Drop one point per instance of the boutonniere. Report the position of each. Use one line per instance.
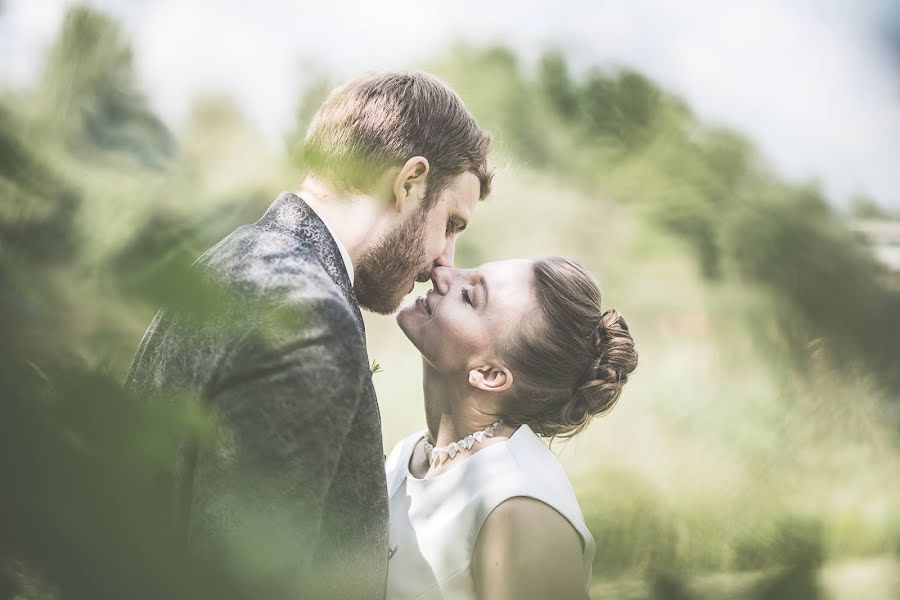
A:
(376, 368)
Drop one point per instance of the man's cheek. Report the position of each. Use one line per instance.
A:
(435, 244)
(437, 235)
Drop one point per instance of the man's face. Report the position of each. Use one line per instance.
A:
(423, 240)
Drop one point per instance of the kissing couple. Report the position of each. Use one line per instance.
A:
(296, 482)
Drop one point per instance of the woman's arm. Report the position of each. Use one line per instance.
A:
(526, 550)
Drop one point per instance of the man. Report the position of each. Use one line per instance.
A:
(294, 481)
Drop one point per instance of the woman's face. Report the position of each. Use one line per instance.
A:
(457, 325)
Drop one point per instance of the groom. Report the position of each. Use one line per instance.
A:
(294, 480)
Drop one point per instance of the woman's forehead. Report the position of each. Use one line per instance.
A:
(512, 266)
(508, 280)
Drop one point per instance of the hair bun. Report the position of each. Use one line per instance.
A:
(575, 363)
(615, 357)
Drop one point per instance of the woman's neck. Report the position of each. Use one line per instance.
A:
(451, 413)
(451, 409)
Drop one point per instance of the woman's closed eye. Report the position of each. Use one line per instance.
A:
(466, 297)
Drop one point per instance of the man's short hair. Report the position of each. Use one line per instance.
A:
(381, 120)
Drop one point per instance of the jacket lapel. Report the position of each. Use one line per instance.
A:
(291, 213)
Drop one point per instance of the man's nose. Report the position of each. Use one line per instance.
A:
(446, 257)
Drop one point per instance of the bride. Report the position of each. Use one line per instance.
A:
(479, 505)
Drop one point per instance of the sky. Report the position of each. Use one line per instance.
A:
(815, 83)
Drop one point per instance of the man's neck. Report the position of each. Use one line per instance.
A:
(353, 219)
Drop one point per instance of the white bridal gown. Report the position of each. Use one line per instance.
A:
(435, 521)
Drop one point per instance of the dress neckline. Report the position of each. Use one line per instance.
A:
(502, 443)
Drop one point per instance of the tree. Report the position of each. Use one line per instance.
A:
(88, 96)
(620, 109)
(556, 85)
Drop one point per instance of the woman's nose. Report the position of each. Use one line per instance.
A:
(442, 278)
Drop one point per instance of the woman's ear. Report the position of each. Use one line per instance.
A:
(491, 378)
(410, 182)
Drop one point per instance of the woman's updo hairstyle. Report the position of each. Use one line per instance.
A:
(571, 363)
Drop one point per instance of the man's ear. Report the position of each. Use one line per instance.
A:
(410, 182)
(491, 378)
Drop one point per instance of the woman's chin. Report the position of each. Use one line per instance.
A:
(404, 317)
(402, 314)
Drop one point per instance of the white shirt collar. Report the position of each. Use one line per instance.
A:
(345, 256)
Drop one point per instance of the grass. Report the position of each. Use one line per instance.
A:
(875, 578)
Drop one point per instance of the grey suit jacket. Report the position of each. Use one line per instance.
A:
(292, 485)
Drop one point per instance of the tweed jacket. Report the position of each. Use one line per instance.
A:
(292, 483)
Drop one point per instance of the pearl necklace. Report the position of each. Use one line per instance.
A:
(439, 454)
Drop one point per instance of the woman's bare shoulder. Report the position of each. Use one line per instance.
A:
(526, 549)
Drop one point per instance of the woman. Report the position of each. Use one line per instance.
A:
(480, 507)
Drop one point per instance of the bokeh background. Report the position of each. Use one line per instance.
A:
(729, 171)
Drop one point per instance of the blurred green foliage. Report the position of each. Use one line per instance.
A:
(82, 516)
(89, 98)
(103, 209)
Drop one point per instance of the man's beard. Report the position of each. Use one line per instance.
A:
(382, 277)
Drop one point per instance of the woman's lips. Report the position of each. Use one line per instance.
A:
(431, 305)
(423, 305)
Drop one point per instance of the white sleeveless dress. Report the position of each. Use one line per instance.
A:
(435, 522)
